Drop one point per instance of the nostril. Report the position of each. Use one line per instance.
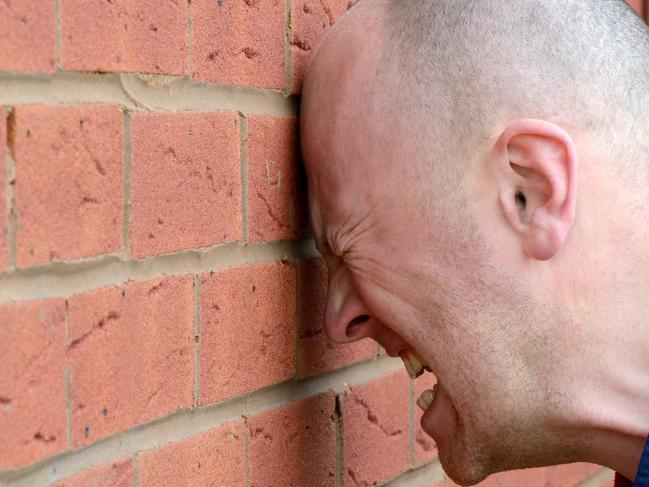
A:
(355, 323)
(360, 319)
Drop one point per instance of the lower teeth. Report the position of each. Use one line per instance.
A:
(426, 399)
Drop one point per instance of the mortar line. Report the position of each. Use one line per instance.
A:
(190, 39)
(12, 208)
(127, 159)
(197, 339)
(67, 387)
(340, 451)
(246, 454)
(138, 91)
(598, 478)
(67, 376)
(243, 155)
(298, 318)
(421, 476)
(64, 279)
(288, 34)
(190, 422)
(57, 34)
(137, 482)
(411, 421)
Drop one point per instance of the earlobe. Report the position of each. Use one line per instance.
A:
(538, 185)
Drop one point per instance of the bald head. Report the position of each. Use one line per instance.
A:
(459, 70)
(477, 175)
(478, 64)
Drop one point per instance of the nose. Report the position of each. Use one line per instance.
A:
(347, 319)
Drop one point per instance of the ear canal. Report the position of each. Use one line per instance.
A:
(521, 201)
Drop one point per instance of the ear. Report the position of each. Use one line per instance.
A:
(537, 165)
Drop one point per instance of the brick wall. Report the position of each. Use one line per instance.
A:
(160, 300)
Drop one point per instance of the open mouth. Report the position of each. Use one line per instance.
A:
(415, 366)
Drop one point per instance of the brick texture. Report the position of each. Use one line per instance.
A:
(131, 355)
(376, 414)
(318, 353)
(68, 186)
(272, 171)
(148, 36)
(4, 210)
(568, 475)
(532, 477)
(294, 445)
(27, 36)
(161, 304)
(185, 182)
(215, 457)
(32, 400)
(247, 329)
(116, 474)
(239, 42)
(310, 20)
(638, 6)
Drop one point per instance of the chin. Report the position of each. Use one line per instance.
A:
(461, 472)
(463, 464)
(461, 450)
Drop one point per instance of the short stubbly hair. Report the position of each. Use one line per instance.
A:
(470, 64)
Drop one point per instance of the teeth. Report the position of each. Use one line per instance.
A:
(413, 363)
(426, 398)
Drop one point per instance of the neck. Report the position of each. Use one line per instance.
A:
(613, 386)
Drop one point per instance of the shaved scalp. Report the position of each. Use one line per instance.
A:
(476, 64)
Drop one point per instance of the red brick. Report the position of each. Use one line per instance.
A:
(215, 457)
(568, 475)
(637, 5)
(116, 474)
(272, 168)
(68, 181)
(148, 36)
(130, 354)
(310, 19)
(375, 429)
(247, 329)
(294, 445)
(425, 447)
(318, 353)
(32, 377)
(27, 38)
(185, 181)
(4, 211)
(239, 42)
(531, 477)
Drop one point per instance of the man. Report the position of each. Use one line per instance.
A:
(479, 187)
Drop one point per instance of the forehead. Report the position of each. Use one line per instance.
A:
(354, 142)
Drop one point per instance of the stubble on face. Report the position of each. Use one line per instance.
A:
(423, 268)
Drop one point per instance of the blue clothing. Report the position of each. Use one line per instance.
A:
(642, 476)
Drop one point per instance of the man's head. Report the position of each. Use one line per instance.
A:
(473, 167)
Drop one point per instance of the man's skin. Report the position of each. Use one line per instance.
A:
(531, 311)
